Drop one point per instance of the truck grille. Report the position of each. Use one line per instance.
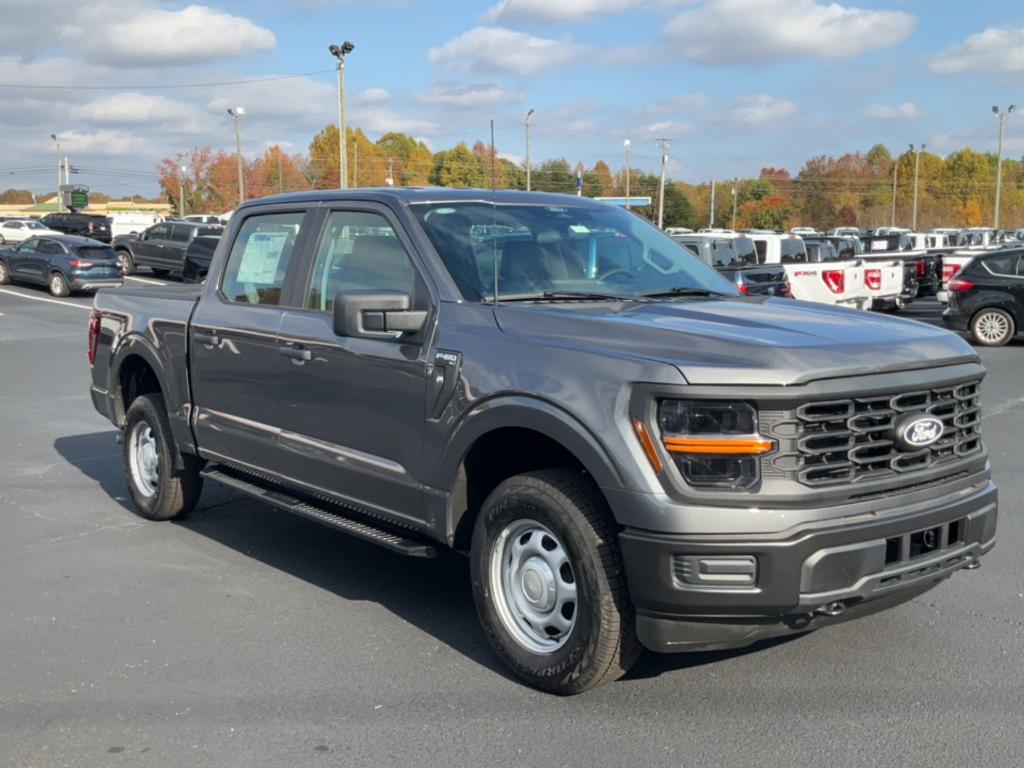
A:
(852, 440)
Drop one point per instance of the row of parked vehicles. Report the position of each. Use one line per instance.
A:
(98, 227)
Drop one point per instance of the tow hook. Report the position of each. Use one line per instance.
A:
(832, 609)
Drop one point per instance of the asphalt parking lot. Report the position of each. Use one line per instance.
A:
(246, 637)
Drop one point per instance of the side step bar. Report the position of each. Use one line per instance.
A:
(328, 515)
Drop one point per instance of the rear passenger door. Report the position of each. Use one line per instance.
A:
(353, 409)
(234, 359)
(174, 248)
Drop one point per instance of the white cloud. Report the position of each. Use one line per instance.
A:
(504, 50)
(105, 142)
(132, 108)
(759, 110)
(372, 96)
(764, 31)
(996, 50)
(468, 95)
(154, 36)
(554, 10)
(908, 110)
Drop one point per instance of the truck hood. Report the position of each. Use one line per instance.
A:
(740, 341)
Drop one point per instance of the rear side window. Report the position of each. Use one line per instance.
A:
(180, 234)
(1003, 264)
(206, 231)
(258, 263)
(359, 251)
(96, 252)
(747, 252)
(793, 252)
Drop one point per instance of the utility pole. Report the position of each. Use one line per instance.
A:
(280, 170)
(917, 174)
(60, 203)
(711, 221)
(528, 116)
(895, 169)
(999, 161)
(390, 180)
(236, 113)
(663, 144)
(734, 196)
(627, 144)
(67, 171)
(340, 52)
(181, 191)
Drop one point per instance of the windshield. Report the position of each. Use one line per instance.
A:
(33, 225)
(555, 249)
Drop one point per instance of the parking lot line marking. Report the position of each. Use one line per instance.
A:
(144, 280)
(48, 301)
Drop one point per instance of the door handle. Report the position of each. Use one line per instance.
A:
(297, 354)
(210, 340)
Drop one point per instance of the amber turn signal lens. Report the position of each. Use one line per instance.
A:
(648, 445)
(719, 446)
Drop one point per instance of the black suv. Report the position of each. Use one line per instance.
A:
(987, 298)
(83, 224)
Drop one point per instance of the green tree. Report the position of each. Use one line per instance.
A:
(457, 168)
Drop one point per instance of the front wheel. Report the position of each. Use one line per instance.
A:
(992, 327)
(59, 286)
(5, 273)
(549, 585)
(126, 261)
(160, 490)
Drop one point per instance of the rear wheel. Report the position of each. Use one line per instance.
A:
(159, 490)
(59, 286)
(992, 327)
(549, 585)
(126, 261)
(5, 273)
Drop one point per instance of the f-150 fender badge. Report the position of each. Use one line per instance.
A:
(915, 432)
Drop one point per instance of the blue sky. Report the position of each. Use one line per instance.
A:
(737, 84)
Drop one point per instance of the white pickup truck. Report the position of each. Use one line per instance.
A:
(827, 282)
(884, 278)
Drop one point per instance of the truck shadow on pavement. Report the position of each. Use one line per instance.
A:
(432, 595)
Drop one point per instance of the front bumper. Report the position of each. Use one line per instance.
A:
(805, 579)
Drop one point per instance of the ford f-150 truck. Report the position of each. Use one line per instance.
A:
(631, 453)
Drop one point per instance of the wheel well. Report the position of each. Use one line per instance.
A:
(492, 459)
(135, 378)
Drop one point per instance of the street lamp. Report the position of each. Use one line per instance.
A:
(528, 116)
(627, 144)
(60, 205)
(917, 173)
(999, 161)
(340, 52)
(734, 183)
(237, 113)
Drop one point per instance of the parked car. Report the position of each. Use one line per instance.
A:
(198, 256)
(922, 269)
(88, 225)
(838, 282)
(630, 452)
(161, 247)
(735, 257)
(986, 298)
(64, 263)
(132, 222)
(18, 230)
(975, 237)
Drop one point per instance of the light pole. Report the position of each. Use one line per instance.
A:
(627, 144)
(60, 205)
(181, 191)
(237, 113)
(663, 144)
(917, 174)
(527, 122)
(895, 166)
(734, 183)
(999, 161)
(340, 52)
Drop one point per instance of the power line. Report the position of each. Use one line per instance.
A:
(163, 86)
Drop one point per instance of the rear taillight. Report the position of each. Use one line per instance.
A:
(873, 279)
(835, 279)
(91, 226)
(921, 268)
(80, 264)
(959, 285)
(948, 271)
(94, 335)
(743, 288)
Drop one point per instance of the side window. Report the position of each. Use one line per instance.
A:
(1020, 266)
(16, 225)
(180, 234)
(159, 232)
(359, 251)
(258, 263)
(49, 246)
(30, 245)
(1000, 265)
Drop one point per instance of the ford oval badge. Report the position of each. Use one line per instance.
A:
(918, 432)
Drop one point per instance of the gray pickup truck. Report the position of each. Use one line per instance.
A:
(631, 453)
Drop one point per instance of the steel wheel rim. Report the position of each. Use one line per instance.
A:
(992, 326)
(534, 586)
(144, 459)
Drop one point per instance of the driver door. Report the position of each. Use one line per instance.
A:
(20, 261)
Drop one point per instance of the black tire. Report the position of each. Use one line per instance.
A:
(175, 492)
(992, 327)
(127, 262)
(59, 285)
(601, 645)
(5, 273)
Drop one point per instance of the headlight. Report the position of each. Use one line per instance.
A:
(715, 443)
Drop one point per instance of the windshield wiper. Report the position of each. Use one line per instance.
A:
(679, 291)
(565, 295)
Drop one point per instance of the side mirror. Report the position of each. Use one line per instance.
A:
(376, 314)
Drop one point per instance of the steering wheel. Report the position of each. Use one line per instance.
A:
(614, 272)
